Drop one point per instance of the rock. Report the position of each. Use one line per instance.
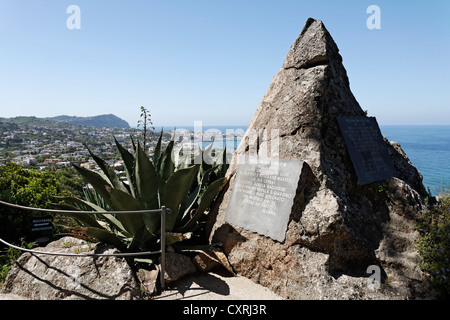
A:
(337, 228)
(177, 266)
(148, 279)
(11, 297)
(45, 277)
(205, 261)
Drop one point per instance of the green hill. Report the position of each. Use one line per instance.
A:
(25, 120)
(101, 121)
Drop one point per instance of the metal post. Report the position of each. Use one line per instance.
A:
(163, 245)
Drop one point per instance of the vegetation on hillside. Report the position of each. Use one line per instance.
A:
(100, 121)
(28, 188)
(434, 244)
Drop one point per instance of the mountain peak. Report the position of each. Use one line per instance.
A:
(314, 46)
(100, 121)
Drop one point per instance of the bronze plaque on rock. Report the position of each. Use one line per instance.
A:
(367, 149)
(263, 194)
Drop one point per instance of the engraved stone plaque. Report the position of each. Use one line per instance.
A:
(263, 195)
(367, 149)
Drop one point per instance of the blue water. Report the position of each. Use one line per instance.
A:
(428, 148)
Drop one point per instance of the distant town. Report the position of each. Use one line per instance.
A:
(41, 143)
(38, 144)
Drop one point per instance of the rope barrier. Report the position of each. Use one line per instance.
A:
(94, 255)
(163, 212)
(80, 211)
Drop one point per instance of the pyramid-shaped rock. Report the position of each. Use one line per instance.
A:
(338, 230)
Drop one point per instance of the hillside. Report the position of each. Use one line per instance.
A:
(101, 121)
(25, 120)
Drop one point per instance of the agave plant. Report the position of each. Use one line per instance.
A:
(187, 189)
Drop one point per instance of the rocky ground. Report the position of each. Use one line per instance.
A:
(216, 286)
(43, 277)
(204, 286)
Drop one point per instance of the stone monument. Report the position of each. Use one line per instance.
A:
(352, 216)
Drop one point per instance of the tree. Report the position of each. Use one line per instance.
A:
(146, 124)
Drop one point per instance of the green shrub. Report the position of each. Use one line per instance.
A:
(28, 188)
(9, 256)
(434, 244)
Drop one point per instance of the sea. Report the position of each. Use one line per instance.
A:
(427, 147)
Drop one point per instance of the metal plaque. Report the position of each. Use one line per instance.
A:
(263, 194)
(367, 149)
(42, 224)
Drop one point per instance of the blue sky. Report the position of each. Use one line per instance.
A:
(213, 60)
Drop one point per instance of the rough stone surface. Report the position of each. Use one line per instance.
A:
(148, 279)
(9, 296)
(45, 277)
(177, 266)
(205, 261)
(337, 228)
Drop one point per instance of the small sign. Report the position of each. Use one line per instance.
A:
(367, 149)
(263, 195)
(42, 228)
(42, 224)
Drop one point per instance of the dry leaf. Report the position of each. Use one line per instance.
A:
(223, 259)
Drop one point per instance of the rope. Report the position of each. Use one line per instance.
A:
(81, 212)
(128, 254)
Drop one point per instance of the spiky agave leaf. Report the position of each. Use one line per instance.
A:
(146, 181)
(147, 191)
(205, 201)
(109, 172)
(122, 201)
(176, 190)
(165, 166)
(84, 219)
(157, 153)
(97, 182)
(129, 162)
(111, 219)
(195, 194)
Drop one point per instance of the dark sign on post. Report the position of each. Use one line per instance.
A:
(42, 228)
(263, 195)
(367, 149)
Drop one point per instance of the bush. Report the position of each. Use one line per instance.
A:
(28, 188)
(434, 244)
(8, 257)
